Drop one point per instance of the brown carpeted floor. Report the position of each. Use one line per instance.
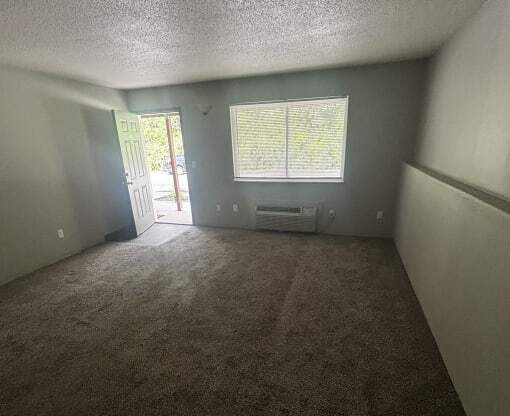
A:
(221, 322)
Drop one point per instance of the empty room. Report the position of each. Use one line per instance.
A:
(247, 207)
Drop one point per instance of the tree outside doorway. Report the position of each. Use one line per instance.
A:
(158, 160)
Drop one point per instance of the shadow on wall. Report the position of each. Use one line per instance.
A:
(92, 200)
(109, 167)
(59, 168)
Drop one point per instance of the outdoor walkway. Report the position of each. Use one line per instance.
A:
(165, 206)
(166, 212)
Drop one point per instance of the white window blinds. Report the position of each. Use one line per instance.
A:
(289, 140)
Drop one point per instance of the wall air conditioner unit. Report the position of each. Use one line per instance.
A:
(279, 218)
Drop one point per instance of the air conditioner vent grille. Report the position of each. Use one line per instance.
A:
(302, 219)
(294, 210)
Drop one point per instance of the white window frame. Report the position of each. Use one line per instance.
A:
(265, 104)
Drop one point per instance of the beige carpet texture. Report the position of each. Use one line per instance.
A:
(221, 322)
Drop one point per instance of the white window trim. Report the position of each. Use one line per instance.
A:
(265, 104)
(297, 180)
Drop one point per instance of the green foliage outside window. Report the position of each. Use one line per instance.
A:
(156, 141)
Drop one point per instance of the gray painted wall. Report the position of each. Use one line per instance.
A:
(59, 168)
(383, 112)
(454, 245)
(456, 250)
(466, 130)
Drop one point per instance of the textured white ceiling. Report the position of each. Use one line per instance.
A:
(139, 43)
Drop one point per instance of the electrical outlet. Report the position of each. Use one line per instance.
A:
(60, 233)
(218, 207)
(331, 213)
(379, 215)
(193, 164)
(235, 208)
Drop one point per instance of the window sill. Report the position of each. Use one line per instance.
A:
(290, 180)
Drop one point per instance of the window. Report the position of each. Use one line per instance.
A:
(289, 141)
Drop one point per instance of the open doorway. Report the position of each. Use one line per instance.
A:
(164, 150)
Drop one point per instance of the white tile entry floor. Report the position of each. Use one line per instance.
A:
(159, 234)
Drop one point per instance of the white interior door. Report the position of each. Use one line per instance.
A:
(137, 175)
